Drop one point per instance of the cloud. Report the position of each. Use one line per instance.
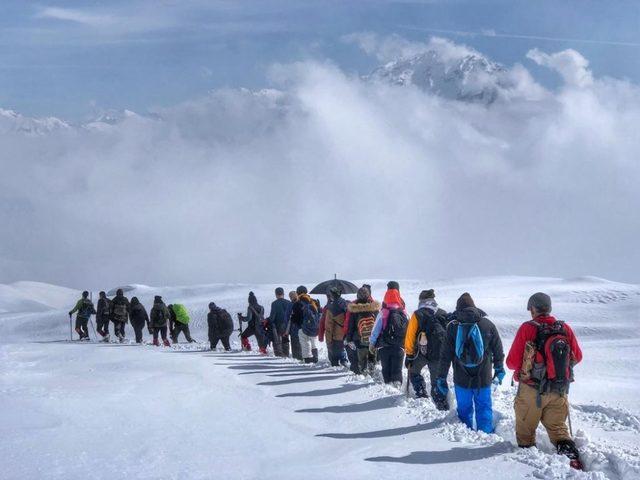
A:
(329, 173)
(572, 66)
(77, 16)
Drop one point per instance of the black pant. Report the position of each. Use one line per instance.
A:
(296, 349)
(276, 341)
(102, 326)
(225, 342)
(162, 331)
(391, 359)
(181, 327)
(335, 350)
(118, 328)
(138, 326)
(286, 346)
(352, 355)
(81, 327)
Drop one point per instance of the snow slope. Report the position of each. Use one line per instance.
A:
(75, 410)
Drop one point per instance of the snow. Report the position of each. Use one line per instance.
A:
(89, 410)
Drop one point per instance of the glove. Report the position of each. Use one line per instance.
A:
(408, 362)
(441, 385)
(498, 375)
(372, 349)
(351, 345)
(70, 313)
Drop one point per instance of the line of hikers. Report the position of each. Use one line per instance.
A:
(364, 332)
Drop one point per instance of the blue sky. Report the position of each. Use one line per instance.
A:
(74, 58)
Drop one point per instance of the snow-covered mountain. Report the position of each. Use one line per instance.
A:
(12, 122)
(468, 77)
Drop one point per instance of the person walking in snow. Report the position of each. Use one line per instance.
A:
(543, 354)
(85, 309)
(119, 314)
(102, 316)
(293, 328)
(359, 322)
(278, 322)
(159, 320)
(220, 326)
(255, 325)
(179, 322)
(306, 314)
(472, 343)
(139, 318)
(387, 336)
(331, 328)
(422, 345)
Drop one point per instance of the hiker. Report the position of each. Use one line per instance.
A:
(306, 314)
(139, 318)
(543, 355)
(278, 322)
(85, 309)
(179, 322)
(255, 325)
(387, 336)
(422, 344)
(158, 320)
(472, 343)
(119, 314)
(359, 321)
(293, 329)
(102, 316)
(220, 326)
(331, 329)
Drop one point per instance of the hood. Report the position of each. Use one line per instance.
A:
(392, 296)
(338, 306)
(364, 307)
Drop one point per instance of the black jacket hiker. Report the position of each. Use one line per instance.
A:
(220, 326)
(139, 318)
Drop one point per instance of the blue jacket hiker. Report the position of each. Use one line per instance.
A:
(473, 345)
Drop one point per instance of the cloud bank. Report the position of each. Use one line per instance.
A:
(327, 173)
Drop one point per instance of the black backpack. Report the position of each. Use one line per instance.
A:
(158, 316)
(396, 328)
(431, 324)
(86, 309)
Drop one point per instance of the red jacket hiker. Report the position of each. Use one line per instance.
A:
(527, 333)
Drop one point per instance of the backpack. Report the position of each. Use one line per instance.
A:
(430, 326)
(552, 365)
(396, 328)
(225, 322)
(469, 345)
(120, 311)
(310, 320)
(106, 305)
(365, 326)
(86, 309)
(157, 314)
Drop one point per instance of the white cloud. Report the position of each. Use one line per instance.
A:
(330, 174)
(77, 16)
(571, 65)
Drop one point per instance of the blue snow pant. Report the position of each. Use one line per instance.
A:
(480, 398)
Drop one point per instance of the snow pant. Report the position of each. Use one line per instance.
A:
(552, 411)
(391, 359)
(118, 328)
(286, 346)
(159, 330)
(276, 341)
(307, 345)
(138, 326)
(181, 327)
(102, 326)
(258, 332)
(81, 327)
(352, 355)
(296, 349)
(225, 342)
(479, 399)
(420, 386)
(366, 361)
(335, 352)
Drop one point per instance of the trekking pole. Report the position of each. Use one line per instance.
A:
(70, 329)
(407, 386)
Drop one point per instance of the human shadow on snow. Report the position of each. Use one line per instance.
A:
(455, 455)
(347, 387)
(307, 370)
(305, 379)
(258, 366)
(377, 404)
(390, 432)
(303, 372)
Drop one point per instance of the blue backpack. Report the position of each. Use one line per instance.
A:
(469, 345)
(310, 320)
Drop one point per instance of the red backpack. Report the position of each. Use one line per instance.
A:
(552, 367)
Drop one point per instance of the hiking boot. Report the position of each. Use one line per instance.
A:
(422, 394)
(308, 360)
(314, 352)
(166, 343)
(156, 342)
(263, 351)
(568, 449)
(246, 345)
(105, 339)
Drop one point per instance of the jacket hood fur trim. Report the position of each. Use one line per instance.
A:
(364, 307)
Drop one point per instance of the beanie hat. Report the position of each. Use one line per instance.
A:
(541, 301)
(464, 301)
(157, 299)
(212, 306)
(363, 294)
(425, 294)
(393, 285)
(301, 289)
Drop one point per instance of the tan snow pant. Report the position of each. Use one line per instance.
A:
(552, 412)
